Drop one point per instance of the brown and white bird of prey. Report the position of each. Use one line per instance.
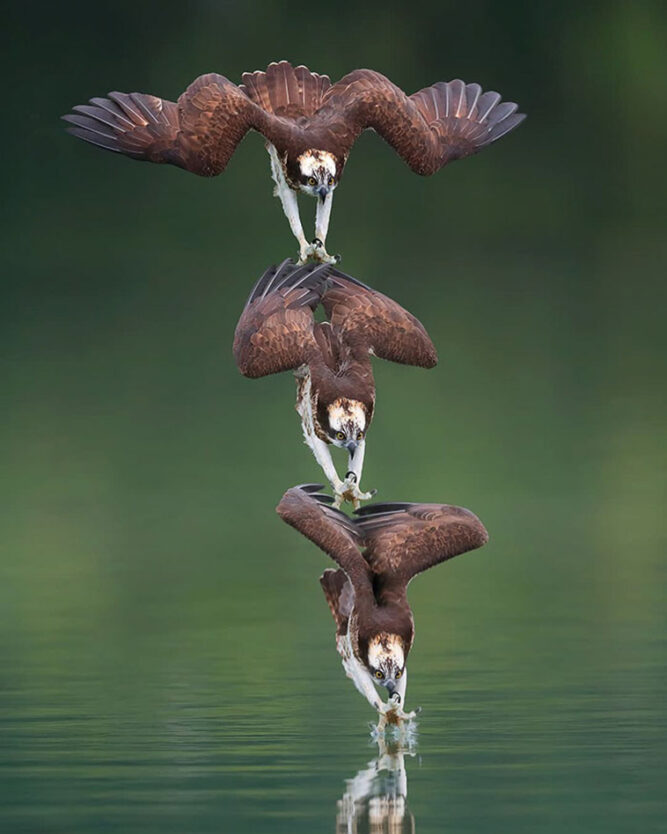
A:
(331, 360)
(309, 124)
(367, 595)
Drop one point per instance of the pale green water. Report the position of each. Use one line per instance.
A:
(167, 660)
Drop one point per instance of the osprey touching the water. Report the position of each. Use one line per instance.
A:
(378, 553)
(331, 360)
(309, 124)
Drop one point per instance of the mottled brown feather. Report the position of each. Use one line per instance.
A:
(369, 319)
(434, 126)
(403, 540)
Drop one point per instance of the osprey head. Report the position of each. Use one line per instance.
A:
(317, 173)
(386, 660)
(347, 423)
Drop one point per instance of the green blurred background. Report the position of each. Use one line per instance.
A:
(167, 659)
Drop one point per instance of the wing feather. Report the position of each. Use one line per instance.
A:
(198, 133)
(275, 331)
(371, 319)
(332, 531)
(434, 126)
(402, 540)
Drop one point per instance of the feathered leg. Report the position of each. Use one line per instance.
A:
(322, 216)
(353, 476)
(289, 203)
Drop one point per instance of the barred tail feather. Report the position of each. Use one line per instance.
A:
(285, 90)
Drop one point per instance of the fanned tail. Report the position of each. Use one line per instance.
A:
(285, 90)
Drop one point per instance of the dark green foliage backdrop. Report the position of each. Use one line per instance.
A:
(146, 584)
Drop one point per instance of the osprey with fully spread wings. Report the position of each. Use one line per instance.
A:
(378, 552)
(331, 360)
(310, 126)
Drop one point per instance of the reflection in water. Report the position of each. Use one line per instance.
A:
(375, 800)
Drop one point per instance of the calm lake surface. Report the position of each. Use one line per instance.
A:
(212, 704)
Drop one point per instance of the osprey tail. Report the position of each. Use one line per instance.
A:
(285, 90)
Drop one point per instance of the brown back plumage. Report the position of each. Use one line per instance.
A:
(286, 91)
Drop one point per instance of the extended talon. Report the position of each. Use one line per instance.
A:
(351, 493)
(317, 252)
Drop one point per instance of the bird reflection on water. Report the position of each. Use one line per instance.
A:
(375, 800)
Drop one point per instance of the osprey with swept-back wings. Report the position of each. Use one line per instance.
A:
(378, 553)
(331, 360)
(309, 123)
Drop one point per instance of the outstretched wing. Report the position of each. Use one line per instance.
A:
(275, 331)
(331, 530)
(402, 540)
(365, 317)
(447, 121)
(199, 133)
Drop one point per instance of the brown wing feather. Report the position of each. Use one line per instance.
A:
(363, 316)
(199, 133)
(402, 540)
(331, 530)
(434, 126)
(275, 331)
(285, 90)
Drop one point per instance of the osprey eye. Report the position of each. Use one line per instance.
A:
(379, 674)
(398, 674)
(312, 181)
(331, 181)
(340, 435)
(360, 436)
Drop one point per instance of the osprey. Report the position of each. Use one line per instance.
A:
(309, 124)
(367, 595)
(331, 360)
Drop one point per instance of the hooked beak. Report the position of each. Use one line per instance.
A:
(391, 688)
(351, 447)
(323, 191)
